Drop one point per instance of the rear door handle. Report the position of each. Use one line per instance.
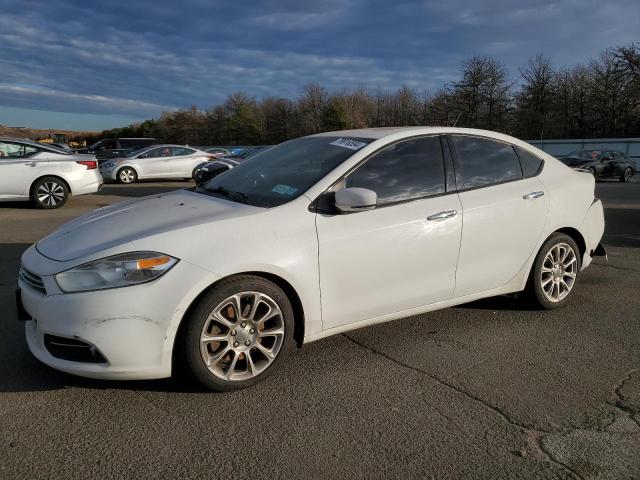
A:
(442, 215)
(532, 195)
(31, 164)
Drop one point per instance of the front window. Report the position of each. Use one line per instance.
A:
(137, 152)
(405, 170)
(284, 172)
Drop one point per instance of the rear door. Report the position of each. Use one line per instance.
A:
(184, 161)
(504, 209)
(20, 165)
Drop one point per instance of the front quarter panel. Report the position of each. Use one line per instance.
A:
(279, 241)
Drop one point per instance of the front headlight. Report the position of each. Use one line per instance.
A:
(117, 271)
(109, 164)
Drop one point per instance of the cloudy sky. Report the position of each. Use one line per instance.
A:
(98, 64)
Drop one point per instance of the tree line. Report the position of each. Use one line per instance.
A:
(598, 99)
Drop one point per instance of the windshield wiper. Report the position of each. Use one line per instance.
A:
(233, 195)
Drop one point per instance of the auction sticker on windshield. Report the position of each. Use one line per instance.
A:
(347, 143)
(284, 190)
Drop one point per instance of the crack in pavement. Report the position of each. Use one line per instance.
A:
(615, 266)
(620, 402)
(536, 434)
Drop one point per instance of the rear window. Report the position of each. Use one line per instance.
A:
(485, 162)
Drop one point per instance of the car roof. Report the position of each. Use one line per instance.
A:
(160, 145)
(382, 132)
(33, 143)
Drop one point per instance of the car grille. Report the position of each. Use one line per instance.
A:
(33, 280)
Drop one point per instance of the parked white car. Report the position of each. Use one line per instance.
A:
(158, 161)
(44, 174)
(314, 237)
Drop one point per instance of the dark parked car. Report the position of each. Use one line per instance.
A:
(117, 147)
(208, 170)
(601, 163)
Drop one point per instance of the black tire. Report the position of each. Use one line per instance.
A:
(127, 176)
(49, 193)
(190, 338)
(534, 290)
(626, 175)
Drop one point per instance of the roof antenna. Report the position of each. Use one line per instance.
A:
(457, 118)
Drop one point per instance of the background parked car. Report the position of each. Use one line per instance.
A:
(218, 151)
(45, 174)
(208, 170)
(117, 147)
(601, 163)
(158, 161)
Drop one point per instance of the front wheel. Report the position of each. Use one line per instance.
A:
(238, 333)
(554, 272)
(49, 193)
(626, 175)
(127, 175)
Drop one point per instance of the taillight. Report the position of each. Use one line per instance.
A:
(90, 164)
(211, 157)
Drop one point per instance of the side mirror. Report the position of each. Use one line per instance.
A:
(355, 199)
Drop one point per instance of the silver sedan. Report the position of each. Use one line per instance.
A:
(157, 161)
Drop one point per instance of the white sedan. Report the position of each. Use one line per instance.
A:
(44, 174)
(157, 161)
(314, 237)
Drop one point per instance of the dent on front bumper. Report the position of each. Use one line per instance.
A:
(132, 327)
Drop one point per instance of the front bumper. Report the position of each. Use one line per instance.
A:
(133, 327)
(108, 174)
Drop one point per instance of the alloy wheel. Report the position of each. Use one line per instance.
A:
(627, 175)
(559, 271)
(50, 194)
(242, 336)
(126, 176)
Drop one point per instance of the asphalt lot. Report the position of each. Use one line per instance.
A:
(485, 390)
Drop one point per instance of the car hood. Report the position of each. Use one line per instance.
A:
(126, 222)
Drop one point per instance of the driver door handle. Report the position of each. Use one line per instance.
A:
(31, 164)
(444, 214)
(532, 195)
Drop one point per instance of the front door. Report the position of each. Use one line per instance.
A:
(400, 255)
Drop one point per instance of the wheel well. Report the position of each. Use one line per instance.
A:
(290, 292)
(577, 237)
(45, 176)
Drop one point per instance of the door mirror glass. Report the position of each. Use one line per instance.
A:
(355, 199)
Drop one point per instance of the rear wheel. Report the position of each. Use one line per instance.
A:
(238, 333)
(626, 175)
(127, 175)
(49, 193)
(554, 272)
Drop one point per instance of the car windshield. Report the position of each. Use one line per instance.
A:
(586, 154)
(282, 173)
